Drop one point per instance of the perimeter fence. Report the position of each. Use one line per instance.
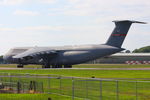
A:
(111, 90)
(75, 87)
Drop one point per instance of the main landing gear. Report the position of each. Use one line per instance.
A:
(20, 66)
(56, 66)
(67, 66)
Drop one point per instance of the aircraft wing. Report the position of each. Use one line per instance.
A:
(35, 52)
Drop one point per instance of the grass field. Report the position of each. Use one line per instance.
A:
(85, 66)
(110, 66)
(88, 73)
(34, 97)
(126, 89)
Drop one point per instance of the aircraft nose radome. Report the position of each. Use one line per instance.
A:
(7, 57)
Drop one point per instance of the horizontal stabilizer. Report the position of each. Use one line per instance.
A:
(132, 21)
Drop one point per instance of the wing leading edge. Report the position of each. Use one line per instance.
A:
(31, 53)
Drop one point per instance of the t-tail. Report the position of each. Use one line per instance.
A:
(120, 31)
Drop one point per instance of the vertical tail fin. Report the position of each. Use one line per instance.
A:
(119, 33)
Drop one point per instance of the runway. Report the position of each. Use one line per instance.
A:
(4, 68)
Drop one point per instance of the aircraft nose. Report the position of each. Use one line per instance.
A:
(7, 57)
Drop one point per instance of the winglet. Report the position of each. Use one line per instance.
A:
(131, 21)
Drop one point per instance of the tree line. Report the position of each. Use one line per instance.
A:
(142, 50)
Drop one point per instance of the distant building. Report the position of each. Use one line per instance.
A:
(121, 58)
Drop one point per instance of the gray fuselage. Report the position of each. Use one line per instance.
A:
(66, 54)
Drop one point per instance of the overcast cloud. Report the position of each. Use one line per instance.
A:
(70, 22)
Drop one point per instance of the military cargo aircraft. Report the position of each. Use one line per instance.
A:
(66, 56)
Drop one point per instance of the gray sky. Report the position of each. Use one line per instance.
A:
(70, 22)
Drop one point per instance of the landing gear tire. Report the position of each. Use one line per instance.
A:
(60, 66)
(56, 66)
(46, 66)
(67, 66)
(20, 66)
